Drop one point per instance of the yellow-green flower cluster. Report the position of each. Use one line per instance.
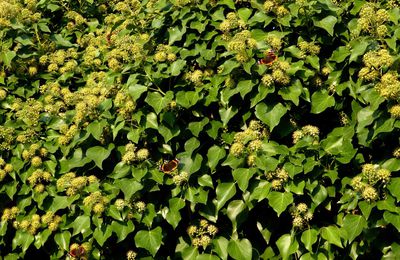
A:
(367, 183)
(275, 6)
(125, 104)
(196, 77)
(27, 136)
(389, 86)
(30, 225)
(76, 18)
(38, 179)
(96, 202)
(396, 153)
(279, 74)
(3, 94)
(231, 22)
(308, 130)
(131, 255)
(372, 20)
(35, 153)
(30, 112)
(374, 62)
(308, 48)
(10, 9)
(133, 155)
(73, 184)
(249, 141)
(241, 43)
(128, 7)
(202, 234)
(181, 178)
(301, 215)
(68, 134)
(51, 221)
(395, 111)
(5, 168)
(164, 53)
(6, 137)
(125, 49)
(135, 206)
(9, 214)
(274, 41)
(277, 178)
(61, 61)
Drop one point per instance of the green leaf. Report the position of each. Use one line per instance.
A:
(287, 246)
(328, 24)
(226, 114)
(242, 177)
(80, 225)
(136, 90)
(240, 249)
(308, 238)
(393, 219)
(353, 225)
(220, 245)
(7, 56)
(61, 202)
(320, 101)
(158, 102)
(175, 34)
(340, 54)
(358, 48)
(393, 187)
(98, 154)
(270, 115)
(332, 235)
(62, 240)
(149, 240)
(174, 216)
(177, 67)
(22, 239)
(41, 238)
(279, 201)
(214, 155)
(101, 235)
(224, 192)
(235, 207)
(128, 187)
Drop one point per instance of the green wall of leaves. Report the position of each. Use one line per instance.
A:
(283, 114)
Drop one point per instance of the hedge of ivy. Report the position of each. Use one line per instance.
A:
(199, 129)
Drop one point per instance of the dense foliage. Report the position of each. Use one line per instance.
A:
(283, 114)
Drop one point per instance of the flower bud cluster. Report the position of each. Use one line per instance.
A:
(308, 130)
(133, 155)
(5, 168)
(279, 74)
(308, 48)
(373, 21)
(277, 178)
(35, 153)
(196, 77)
(164, 53)
(125, 104)
(396, 153)
(371, 179)
(68, 134)
(133, 206)
(241, 43)
(389, 87)
(131, 255)
(202, 234)
(275, 6)
(274, 41)
(30, 225)
(96, 202)
(50, 220)
(9, 214)
(181, 178)
(301, 215)
(6, 137)
(72, 184)
(61, 61)
(21, 11)
(231, 22)
(249, 141)
(38, 179)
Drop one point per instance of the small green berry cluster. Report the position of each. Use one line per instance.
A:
(242, 43)
(249, 142)
(202, 234)
(5, 168)
(96, 202)
(72, 184)
(370, 181)
(308, 130)
(133, 155)
(277, 178)
(301, 215)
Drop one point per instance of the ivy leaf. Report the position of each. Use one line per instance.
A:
(332, 235)
(80, 225)
(328, 23)
(224, 192)
(353, 225)
(100, 236)
(271, 115)
(149, 240)
(62, 240)
(235, 207)
(128, 187)
(98, 154)
(174, 216)
(226, 114)
(393, 187)
(214, 155)
(393, 219)
(279, 201)
(308, 238)
(320, 101)
(242, 177)
(177, 66)
(7, 56)
(136, 90)
(240, 249)
(158, 102)
(287, 246)
(22, 239)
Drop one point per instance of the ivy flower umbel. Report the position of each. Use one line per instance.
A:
(202, 234)
(301, 215)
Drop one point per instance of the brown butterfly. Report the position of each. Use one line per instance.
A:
(169, 166)
(269, 58)
(78, 252)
